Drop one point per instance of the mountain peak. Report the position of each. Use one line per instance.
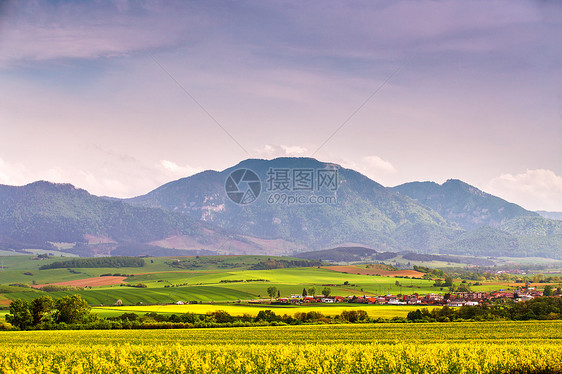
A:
(463, 204)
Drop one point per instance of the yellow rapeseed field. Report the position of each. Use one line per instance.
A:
(504, 347)
(374, 311)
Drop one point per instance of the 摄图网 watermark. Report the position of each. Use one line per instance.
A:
(287, 186)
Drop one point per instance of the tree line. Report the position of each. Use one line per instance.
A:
(44, 312)
(97, 262)
(72, 312)
(540, 308)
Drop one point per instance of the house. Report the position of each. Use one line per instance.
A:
(432, 297)
(470, 295)
(327, 300)
(521, 298)
(455, 303)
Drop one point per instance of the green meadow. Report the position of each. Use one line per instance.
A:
(213, 279)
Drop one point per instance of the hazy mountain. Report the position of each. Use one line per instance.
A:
(249, 208)
(550, 215)
(41, 214)
(365, 212)
(463, 204)
(484, 241)
(347, 254)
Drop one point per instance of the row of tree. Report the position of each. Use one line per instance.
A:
(46, 311)
(541, 308)
(72, 312)
(96, 262)
(222, 317)
(273, 292)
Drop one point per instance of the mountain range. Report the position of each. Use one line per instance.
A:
(280, 206)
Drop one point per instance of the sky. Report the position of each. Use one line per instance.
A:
(119, 97)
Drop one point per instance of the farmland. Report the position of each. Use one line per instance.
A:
(374, 311)
(205, 279)
(500, 347)
(232, 284)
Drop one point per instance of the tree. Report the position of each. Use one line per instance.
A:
(326, 291)
(547, 290)
(415, 315)
(448, 282)
(304, 293)
(463, 288)
(538, 278)
(73, 309)
(312, 291)
(354, 315)
(271, 291)
(221, 316)
(20, 315)
(278, 294)
(267, 315)
(41, 308)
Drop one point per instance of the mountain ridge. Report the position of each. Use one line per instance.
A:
(476, 207)
(195, 213)
(376, 210)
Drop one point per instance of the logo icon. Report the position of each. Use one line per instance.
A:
(243, 186)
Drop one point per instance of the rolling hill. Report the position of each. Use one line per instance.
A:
(47, 215)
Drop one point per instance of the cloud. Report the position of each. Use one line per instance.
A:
(372, 166)
(117, 174)
(38, 31)
(12, 173)
(294, 150)
(175, 169)
(537, 189)
(377, 164)
(273, 151)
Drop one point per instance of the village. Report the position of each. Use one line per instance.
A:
(448, 299)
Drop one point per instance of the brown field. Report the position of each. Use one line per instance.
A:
(4, 301)
(363, 271)
(93, 282)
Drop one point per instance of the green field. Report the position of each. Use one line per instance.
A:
(442, 348)
(205, 279)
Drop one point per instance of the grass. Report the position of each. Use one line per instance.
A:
(132, 296)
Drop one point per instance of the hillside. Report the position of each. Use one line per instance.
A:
(550, 215)
(463, 204)
(365, 212)
(46, 215)
(196, 215)
(347, 254)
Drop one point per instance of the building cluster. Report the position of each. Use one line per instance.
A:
(449, 299)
